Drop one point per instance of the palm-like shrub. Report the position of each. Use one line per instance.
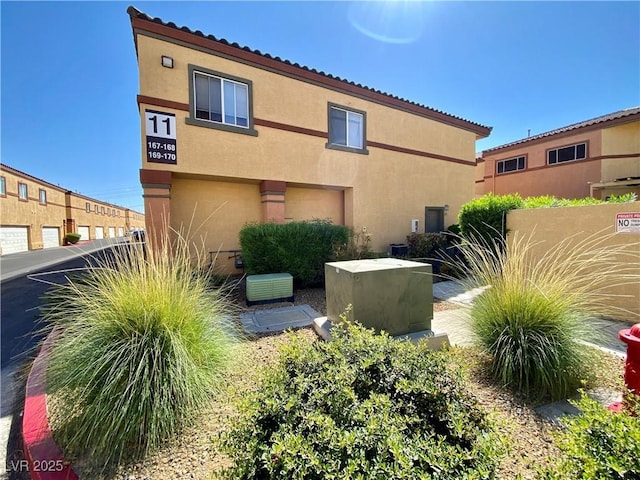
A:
(141, 343)
(533, 316)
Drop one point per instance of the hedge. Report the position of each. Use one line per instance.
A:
(298, 248)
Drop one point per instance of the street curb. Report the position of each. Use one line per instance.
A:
(44, 456)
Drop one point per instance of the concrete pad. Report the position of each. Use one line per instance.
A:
(455, 292)
(553, 412)
(278, 319)
(436, 341)
(456, 324)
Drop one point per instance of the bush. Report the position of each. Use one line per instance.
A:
(484, 218)
(533, 316)
(298, 248)
(597, 445)
(72, 238)
(360, 406)
(424, 245)
(141, 346)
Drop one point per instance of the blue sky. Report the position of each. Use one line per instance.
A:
(69, 76)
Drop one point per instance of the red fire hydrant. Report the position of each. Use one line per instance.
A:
(630, 336)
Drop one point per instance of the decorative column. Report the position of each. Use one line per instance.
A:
(272, 199)
(156, 185)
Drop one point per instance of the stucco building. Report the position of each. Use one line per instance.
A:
(598, 157)
(231, 135)
(36, 214)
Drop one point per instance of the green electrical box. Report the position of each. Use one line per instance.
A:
(270, 287)
(384, 293)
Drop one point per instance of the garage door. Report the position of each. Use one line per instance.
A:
(99, 232)
(112, 232)
(84, 233)
(50, 237)
(120, 232)
(14, 239)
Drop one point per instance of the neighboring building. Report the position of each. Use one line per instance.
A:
(231, 135)
(36, 214)
(598, 158)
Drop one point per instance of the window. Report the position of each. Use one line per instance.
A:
(95, 208)
(87, 207)
(102, 210)
(347, 129)
(511, 165)
(3, 186)
(23, 193)
(567, 154)
(42, 196)
(220, 101)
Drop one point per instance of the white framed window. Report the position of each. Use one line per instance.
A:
(42, 196)
(95, 209)
(3, 186)
(347, 129)
(567, 154)
(87, 207)
(102, 210)
(511, 165)
(221, 100)
(23, 191)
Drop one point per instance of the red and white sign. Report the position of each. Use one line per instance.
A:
(628, 222)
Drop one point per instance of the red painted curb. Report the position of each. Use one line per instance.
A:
(45, 458)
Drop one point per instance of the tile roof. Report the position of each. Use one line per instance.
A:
(483, 130)
(629, 112)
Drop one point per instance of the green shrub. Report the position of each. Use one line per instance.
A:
(597, 445)
(624, 198)
(548, 201)
(142, 344)
(361, 406)
(424, 245)
(72, 238)
(533, 316)
(298, 248)
(484, 217)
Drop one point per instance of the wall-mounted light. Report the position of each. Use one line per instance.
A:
(446, 208)
(167, 61)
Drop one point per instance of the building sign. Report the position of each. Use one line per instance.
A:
(628, 222)
(161, 137)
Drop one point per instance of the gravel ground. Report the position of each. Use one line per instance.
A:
(193, 455)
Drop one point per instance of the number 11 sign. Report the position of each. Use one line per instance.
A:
(161, 137)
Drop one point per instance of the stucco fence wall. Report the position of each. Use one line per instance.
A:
(550, 226)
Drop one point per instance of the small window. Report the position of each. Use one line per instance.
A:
(567, 154)
(95, 208)
(347, 129)
(3, 186)
(87, 207)
(102, 210)
(220, 101)
(42, 196)
(511, 165)
(23, 193)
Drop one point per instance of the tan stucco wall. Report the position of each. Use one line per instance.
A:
(383, 190)
(550, 226)
(211, 213)
(619, 140)
(565, 180)
(314, 203)
(77, 212)
(32, 214)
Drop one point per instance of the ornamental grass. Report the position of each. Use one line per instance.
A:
(142, 344)
(535, 314)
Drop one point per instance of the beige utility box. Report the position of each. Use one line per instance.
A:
(385, 294)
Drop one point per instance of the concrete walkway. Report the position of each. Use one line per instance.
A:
(456, 322)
